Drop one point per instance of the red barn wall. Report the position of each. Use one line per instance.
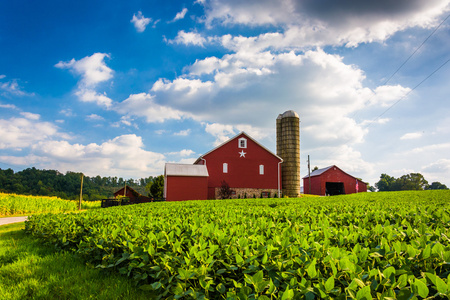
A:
(181, 188)
(318, 183)
(243, 172)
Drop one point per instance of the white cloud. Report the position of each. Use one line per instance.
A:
(143, 105)
(386, 95)
(220, 131)
(310, 23)
(188, 38)
(10, 106)
(94, 117)
(87, 95)
(92, 69)
(121, 156)
(24, 132)
(30, 116)
(182, 153)
(180, 15)
(12, 87)
(411, 136)
(440, 167)
(183, 132)
(140, 22)
(67, 112)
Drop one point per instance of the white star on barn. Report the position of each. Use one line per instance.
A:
(242, 153)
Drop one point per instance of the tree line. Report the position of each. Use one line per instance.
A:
(412, 181)
(37, 182)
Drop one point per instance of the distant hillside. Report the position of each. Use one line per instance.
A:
(37, 182)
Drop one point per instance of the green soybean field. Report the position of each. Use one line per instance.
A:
(386, 245)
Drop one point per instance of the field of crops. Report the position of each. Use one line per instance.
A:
(370, 245)
(12, 204)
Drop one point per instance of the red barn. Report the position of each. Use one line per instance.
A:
(185, 182)
(133, 195)
(249, 169)
(332, 181)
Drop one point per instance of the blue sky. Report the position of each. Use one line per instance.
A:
(118, 88)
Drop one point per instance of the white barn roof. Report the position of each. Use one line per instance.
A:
(185, 170)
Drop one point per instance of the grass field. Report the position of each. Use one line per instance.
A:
(31, 270)
(371, 245)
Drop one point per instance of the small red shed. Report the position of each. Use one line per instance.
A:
(185, 182)
(332, 181)
(133, 195)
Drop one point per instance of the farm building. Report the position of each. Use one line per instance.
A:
(332, 181)
(185, 182)
(133, 195)
(249, 169)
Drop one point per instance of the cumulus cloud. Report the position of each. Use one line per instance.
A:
(182, 153)
(30, 116)
(143, 105)
(122, 156)
(180, 15)
(312, 23)
(87, 95)
(185, 132)
(242, 89)
(411, 136)
(93, 71)
(11, 87)
(94, 117)
(10, 106)
(188, 38)
(24, 132)
(140, 22)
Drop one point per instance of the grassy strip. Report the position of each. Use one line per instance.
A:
(30, 270)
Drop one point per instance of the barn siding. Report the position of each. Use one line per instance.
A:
(180, 188)
(334, 174)
(243, 172)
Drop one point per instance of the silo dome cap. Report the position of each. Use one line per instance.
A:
(290, 114)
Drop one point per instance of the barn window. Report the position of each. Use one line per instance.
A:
(261, 169)
(225, 167)
(242, 143)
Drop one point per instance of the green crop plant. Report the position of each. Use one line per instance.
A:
(13, 204)
(361, 246)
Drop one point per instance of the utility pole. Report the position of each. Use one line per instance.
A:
(81, 192)
(309, 175)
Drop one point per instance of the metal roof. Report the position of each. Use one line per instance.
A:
(172, 169)
(319, 171)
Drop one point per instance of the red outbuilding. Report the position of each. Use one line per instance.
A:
(132, 195)
(247, 167)
(332, 181)
(185, 182)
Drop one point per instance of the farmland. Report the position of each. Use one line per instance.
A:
(363, 246)
(13, 204)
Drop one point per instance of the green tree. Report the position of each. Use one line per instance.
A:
(437, 186)
(386, 183)
(412, 181)
(157, 187)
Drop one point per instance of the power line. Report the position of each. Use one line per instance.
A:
(405, 95)
(417, 49)
(395, 72)
(395, 103)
